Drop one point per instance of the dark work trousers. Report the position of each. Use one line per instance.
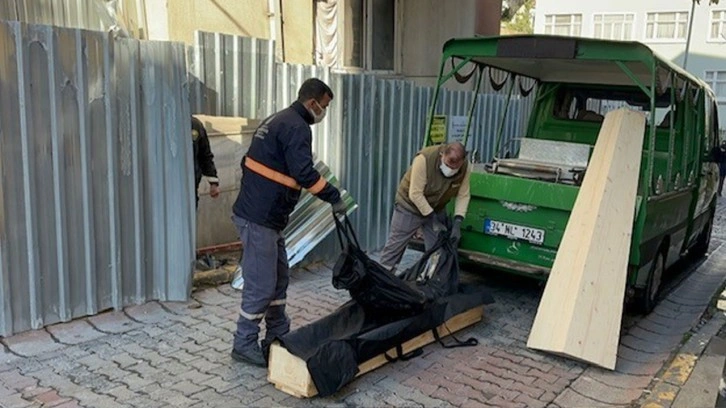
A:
(404, 225)
(266, 276)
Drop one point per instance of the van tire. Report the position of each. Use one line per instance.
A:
(648, 296)
(700, 248)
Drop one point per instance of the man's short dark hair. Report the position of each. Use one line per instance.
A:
(313, 88)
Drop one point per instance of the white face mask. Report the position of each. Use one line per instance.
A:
(447, 171)
(317, 118)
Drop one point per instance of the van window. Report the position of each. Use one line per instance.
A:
(591, 104)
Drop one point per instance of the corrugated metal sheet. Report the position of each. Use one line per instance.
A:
(96, 207)
(312, 221)
(232, 75)
(125, 17)
(372, 129)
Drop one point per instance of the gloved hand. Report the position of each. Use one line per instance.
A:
(340, 208)
(456, 230)
(436, 225)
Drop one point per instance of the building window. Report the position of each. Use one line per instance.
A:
(718, 24)
(370, 34)
(563, 24)
(666, 26)
(717, 81)
(614, 26)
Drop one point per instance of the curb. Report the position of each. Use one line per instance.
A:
(679, 369)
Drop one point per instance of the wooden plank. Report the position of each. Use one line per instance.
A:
(290, 374)
(580, 312)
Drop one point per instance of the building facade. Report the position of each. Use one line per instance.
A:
(392, 37)
(660, 24)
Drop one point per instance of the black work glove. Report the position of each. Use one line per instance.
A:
(436, 225)
(340, 208)
(456, 230)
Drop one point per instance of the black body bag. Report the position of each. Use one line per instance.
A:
(434, 276)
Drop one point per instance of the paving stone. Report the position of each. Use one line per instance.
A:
(638, 356)
(571, 399)
(647, 346)
(125, 360)
(211, 296)
(600, 392)
(148, 313)
(32, 343)
(50, 398)
(16, 401)
(75, 332)
(635, 368)
(122, 393)
(618, 380)
(14, 380)
(6, 357)
(113, 323)
(649, 336)
(69, 404)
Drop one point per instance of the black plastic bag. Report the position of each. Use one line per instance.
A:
(434, 276)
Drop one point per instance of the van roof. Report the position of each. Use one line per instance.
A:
(568, 59)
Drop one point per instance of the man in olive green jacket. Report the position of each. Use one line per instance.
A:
(437, 175)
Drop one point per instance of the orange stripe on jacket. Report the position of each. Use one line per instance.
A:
(280, 178)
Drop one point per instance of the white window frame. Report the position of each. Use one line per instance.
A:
(655, 27)
(367, 53)
(572, 22)
(720, 99)
(722, 22)
(624, 14)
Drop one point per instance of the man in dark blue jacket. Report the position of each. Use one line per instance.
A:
(277, 166)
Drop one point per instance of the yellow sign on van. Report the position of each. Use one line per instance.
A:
(438, 129)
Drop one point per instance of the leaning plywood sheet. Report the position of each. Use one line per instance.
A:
(581, 308)
(290, 374)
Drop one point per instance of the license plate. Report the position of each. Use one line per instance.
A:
(513, 231)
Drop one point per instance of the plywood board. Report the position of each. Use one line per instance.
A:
(290, 374)
(580, 312)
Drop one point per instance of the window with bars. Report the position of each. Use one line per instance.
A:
(614, 26)
(717, 81)
(666, 26)
(563, 24)
(718, 25)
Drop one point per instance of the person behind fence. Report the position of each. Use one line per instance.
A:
(203, 160)
(277, 166)
(437, 175)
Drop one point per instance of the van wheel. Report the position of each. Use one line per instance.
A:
(704, 239)
(648, 297)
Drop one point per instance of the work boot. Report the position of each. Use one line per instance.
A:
(251, 356)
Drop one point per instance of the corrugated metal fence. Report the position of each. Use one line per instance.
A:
(96, 207)
(372, 129)
(125, 17)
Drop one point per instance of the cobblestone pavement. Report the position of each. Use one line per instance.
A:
(177, 354)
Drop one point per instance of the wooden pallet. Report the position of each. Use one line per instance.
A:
(289, 373)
